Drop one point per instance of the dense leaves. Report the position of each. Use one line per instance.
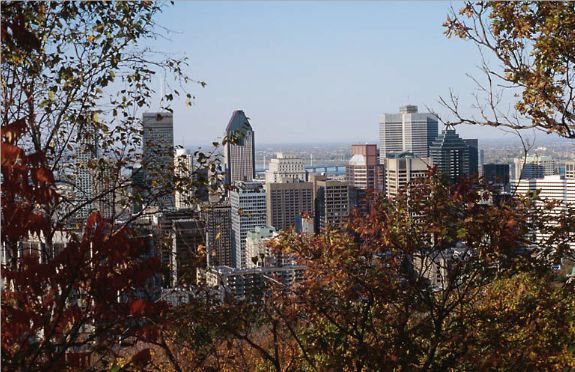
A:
(439, 278)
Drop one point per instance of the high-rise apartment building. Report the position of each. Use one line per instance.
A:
(332, 204)
(158, 158)
(450, 154)
(285, 168)
(286, 201)
(407, 131)
(239, 151)
(535, 166)
(248, 204)
(401, 170)
(218, 219)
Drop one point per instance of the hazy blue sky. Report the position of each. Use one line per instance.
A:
(314, 71)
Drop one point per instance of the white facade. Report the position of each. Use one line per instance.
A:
(570, 170)
(550, 188)
(183, 168)
(251, 283)
(407, 131)
(256, 249)
(285, 168)
(399, 172)
(534, 167)
(248, 203)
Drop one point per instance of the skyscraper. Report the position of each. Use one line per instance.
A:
(239, 151)
(451, 155)
(286, 201)
(87, 149)
(158, 158)
(407, 131)
(285, 168)
(248, 203)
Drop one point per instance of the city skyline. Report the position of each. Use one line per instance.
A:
(308, 72)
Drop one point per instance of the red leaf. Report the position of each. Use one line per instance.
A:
(143, 357)
(42, 175)
(138, 307)
(10, 154)
(11, 132)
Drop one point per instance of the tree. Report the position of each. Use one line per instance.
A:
(72, 73)
(528, 59)
(78, 74)
(439, 278)
(73, 309)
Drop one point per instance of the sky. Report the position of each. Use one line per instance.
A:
(314, 72)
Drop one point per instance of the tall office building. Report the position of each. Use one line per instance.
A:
(239, 152)
(407, 131)
(473, 144)
(158, 158)
(332, 204)
(534, 167)
(218, 219)
(401, 170)
(364, 174)
(87, 149)
(364, 170)
(285, 168)
(248, 204)
(451, 155)
(286, 201)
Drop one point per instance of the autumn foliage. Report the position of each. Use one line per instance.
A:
(74, 303)
(440, 278)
